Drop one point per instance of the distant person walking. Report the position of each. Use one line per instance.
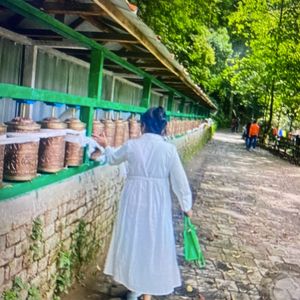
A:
(246, 135)
(253, 135)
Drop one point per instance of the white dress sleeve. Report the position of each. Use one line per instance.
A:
(115, 157)
(179, 183)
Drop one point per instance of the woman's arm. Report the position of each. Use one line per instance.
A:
(180, 185)
(115, 157)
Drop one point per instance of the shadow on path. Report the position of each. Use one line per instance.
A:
(247, 210)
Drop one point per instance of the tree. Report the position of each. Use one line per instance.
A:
(271, 65)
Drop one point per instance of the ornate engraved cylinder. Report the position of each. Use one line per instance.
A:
(98, 127)
(126, 131)
(110, 128)
(134, 129)
(119, 133)
(52, 149)
(21, 160)
(74, 151)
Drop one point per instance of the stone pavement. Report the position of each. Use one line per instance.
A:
(247, 207)
(247, 211)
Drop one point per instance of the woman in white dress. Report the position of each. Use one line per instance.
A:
(142, 254)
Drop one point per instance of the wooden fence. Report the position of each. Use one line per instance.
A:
(288, 149)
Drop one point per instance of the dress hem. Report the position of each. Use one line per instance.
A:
(142, 291)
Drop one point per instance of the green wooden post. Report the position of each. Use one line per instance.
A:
(96, 74)
(170, 101)
(181, 105)
(145, 101)
(94, 90)
(194, 109)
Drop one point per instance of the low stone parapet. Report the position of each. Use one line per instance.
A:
(49, 236)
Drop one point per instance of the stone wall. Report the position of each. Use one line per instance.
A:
(50, 235)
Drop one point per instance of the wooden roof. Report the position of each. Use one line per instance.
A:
(112, 24)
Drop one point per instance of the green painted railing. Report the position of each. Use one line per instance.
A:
(21, 92)
(87, 104)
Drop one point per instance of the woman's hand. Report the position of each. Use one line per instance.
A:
(189, 213)
(95, 154)
(101, 139)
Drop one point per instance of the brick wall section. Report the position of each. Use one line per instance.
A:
(91, 198)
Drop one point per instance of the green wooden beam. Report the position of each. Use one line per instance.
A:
(16, 189)
(146, 97)
(21, 92)
(25, 9)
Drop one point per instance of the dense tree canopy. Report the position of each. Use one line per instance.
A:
(244, 53)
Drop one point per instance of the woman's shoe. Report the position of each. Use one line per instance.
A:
(133, 295)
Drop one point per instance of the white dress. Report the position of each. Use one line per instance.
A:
(142, 254)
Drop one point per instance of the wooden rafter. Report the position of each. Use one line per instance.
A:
(73, 8)
(135, 54)
(16, 19)
(98, 36)
(77, 22)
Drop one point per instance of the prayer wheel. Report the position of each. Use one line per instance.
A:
(21, 159)
(74, 150)
(52, 149)
(2, 147)
(134, 129)
(119, 134)
(109, 129)
(126, 131)
(98, 127)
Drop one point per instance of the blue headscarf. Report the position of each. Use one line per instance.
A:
(154, 120)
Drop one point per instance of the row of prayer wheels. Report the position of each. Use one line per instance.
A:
(34, 149)
(118, 131)
(178, 127)
(28, 152)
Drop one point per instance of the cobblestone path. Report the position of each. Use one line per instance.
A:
(247, 209)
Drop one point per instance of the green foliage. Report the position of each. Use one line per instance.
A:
(187, 28)
(37, 230)
(64, 269)
(34, 293)
(17, 287)
(189, 151)
(245, 54)
(69, 263)
(37, 238)
(14, 293)
(80, 244)
(269, 71)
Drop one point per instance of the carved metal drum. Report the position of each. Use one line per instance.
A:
(52, 149)
(98, 127)
(126, 131)
(110, 128)
(21, 160)
(74, 151)
(134, 129)
(119, 133)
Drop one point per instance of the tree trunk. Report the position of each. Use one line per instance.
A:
(269, 124)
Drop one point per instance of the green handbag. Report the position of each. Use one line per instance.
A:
(192, 249)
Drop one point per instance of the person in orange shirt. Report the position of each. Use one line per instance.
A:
(253, 134)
